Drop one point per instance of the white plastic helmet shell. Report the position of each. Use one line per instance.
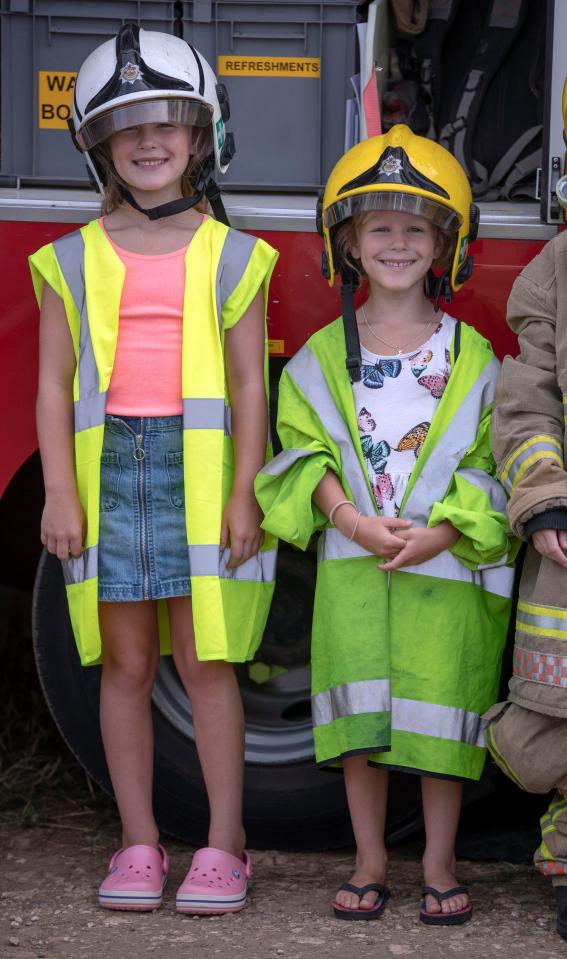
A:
(141, 67)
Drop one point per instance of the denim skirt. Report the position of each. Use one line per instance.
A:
(142, 541)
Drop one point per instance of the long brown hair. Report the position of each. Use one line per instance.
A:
(202, 145)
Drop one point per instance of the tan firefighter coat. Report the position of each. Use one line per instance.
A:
(529, 438)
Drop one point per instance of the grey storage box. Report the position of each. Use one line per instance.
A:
(287, 66)
(43, 43)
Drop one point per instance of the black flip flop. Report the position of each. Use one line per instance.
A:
(561, 896)
(341, 912)
(444, 918)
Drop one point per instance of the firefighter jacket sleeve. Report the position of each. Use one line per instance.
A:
(475, 504)
(528, 421)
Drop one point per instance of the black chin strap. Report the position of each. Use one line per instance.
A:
(205, 186)
(349, 286)
(437, 287)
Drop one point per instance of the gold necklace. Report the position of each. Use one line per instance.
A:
(400, 349)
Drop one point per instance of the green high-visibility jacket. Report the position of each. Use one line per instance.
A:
(223, 272)
(403, 665)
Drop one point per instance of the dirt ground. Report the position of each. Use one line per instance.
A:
(58, 831)
(48, 906)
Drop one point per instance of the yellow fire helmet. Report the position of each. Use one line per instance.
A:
(405, 172)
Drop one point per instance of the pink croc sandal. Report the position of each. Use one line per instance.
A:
(136, 879)
(216, 883)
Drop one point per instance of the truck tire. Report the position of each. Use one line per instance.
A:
(288, 802)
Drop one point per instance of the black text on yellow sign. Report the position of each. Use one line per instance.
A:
(309, 67)
(55, 98)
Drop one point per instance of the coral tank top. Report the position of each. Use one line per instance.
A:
(146, 378)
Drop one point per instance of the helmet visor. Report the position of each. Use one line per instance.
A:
(184, 112)
(441, 216)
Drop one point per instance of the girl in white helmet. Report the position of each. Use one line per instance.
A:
(152, 423)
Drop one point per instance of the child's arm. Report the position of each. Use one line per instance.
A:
(245, 375)
(528, 421)
(63, 522)
(381, 535)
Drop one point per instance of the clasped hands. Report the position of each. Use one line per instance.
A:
(397, 541)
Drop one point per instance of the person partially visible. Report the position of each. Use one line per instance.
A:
(527, 735)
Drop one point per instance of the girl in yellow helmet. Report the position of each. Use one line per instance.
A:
(383, 416)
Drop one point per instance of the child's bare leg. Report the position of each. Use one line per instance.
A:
(367, 793)
(441, 811)
(130, 660)
(218, 715)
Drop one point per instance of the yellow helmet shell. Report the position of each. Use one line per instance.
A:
(404, 171)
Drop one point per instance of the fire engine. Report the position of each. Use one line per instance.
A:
(288, 801)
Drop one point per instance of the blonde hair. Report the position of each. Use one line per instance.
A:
(344, 238)
(202, 144)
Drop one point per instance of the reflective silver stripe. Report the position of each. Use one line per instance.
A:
(305, 370)
(333, 545)
(70, 252)
(495, 579)
(545, 448)
(235, 256)
(525, 621)
(283, 461)
(90, 412)
(431, 484)
(78, 570)
(206, 414)
(492, 488)
(408, 715)
(207, 560)
(442, 722)
(351, 699)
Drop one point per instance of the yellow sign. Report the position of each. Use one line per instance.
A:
(276, 347)
(309, 67)
(55, 98)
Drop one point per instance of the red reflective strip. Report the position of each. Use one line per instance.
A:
(540, 667)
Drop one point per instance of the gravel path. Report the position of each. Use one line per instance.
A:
(48, 908)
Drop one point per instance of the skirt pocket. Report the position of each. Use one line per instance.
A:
(174, 467)
(110, 471)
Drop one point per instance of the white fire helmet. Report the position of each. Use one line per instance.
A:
(146, 77)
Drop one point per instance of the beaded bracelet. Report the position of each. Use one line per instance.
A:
(342, 502)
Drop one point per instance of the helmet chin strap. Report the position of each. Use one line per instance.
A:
(205, 186)
(165, 209)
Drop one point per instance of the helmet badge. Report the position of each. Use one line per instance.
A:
(391, 165)
(130, 72)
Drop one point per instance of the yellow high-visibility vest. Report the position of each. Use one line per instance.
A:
(224, 270)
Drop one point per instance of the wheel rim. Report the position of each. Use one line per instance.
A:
(277, 711)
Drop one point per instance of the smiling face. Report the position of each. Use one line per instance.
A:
(152, 157)
(395, 249)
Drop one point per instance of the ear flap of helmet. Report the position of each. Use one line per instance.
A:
(319, 213)
(474, 221)
(224, 103)
(438, 287)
